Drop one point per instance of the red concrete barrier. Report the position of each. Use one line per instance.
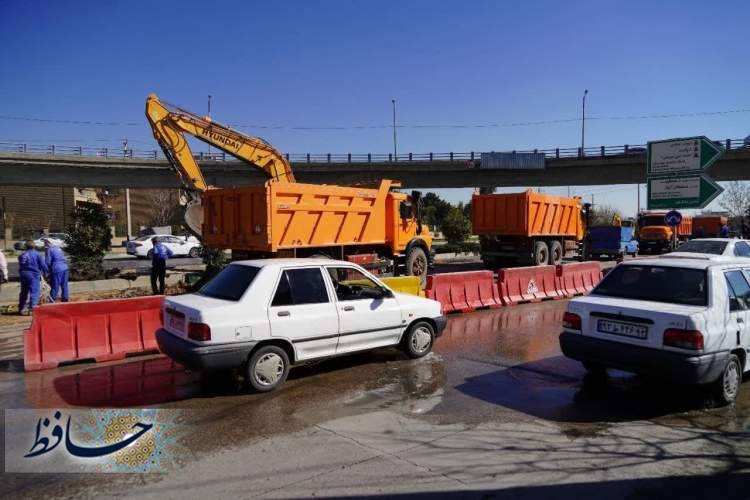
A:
(104, 330)
(578, 278)
(464, 292)
(527, 284)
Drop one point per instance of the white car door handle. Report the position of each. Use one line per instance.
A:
(283, 313)
(349, 308)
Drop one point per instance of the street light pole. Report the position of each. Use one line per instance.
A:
(395, 154)
(583, 122)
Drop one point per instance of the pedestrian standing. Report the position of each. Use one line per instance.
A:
(159, 255)
(58, 269)
(723, 231)
(31, 266)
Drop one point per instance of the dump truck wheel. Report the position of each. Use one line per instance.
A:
(416, 264)
(541, 254)
(555, 252)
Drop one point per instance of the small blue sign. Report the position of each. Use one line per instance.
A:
(673, 218)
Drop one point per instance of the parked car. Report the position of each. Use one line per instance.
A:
(686, 319)
(57, 239)
(716, 246)
(181, 246)
(262, 316)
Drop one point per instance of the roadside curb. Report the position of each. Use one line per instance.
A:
(9, 291)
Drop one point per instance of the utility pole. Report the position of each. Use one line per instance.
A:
(395, 154)
(127, 212)
(583, 123)
(639, 200)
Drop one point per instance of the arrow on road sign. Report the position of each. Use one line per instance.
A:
(684, 191)
(680, 156)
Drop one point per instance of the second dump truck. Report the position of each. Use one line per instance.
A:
(655, 236)
(527, 228)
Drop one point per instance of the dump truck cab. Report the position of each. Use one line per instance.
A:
(655, 236)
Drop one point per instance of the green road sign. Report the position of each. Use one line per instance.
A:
(681, 156)
(684, 191)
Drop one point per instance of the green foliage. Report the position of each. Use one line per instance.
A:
(89, 239)
(456, 227)
(434, 209)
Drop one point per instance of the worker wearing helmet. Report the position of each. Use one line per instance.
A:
(31, 266)
(58, 268)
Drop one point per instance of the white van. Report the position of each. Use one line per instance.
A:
(682, 318)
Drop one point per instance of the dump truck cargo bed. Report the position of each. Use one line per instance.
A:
(287, 216)
(529, 214)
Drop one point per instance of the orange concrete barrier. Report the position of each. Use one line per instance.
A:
(103, 330)
(464, 292)
(517, 285)
(578, 278)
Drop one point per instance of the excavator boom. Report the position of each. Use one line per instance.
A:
(169, 123)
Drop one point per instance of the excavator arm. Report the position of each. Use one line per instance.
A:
(170, 124)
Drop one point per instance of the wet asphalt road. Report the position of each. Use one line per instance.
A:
(497, 371)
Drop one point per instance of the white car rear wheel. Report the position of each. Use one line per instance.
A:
(267, 368)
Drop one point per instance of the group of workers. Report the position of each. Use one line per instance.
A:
(32, 266)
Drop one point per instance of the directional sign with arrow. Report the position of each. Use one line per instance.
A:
(674, 173)
(685, 191)
(679, 156)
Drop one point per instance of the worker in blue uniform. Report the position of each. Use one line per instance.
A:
(58, 270)
(31, 267)
(159, 255)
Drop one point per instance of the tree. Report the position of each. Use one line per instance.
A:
(736, 198)
(456, 227)
(602, 215)
(89, 238)
(434, 209)
(166, 204)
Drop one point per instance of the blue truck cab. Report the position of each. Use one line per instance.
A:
(612, 241)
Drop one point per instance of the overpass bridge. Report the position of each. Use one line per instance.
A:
(50, 165)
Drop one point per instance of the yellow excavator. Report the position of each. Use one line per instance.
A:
(377, 227)
(169, 123)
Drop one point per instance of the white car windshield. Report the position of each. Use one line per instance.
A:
(674, 285)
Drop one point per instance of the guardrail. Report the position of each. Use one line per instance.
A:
(556, 153)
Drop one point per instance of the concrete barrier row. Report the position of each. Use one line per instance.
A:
(469, 291)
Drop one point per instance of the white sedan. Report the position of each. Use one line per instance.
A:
(180, 246)
(262, 316)
(681, 318)
(729, 247)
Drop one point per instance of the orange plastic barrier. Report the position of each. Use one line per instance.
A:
(104, 330)
(527, 284)
(464, 292)
(578, 278)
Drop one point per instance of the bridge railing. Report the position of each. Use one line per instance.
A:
(472, 156)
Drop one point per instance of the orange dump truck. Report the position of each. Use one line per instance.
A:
(367, 226)
(527, 228)
(707, 226)
(655, 236)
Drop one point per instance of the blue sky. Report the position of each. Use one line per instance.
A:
(292, 66)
